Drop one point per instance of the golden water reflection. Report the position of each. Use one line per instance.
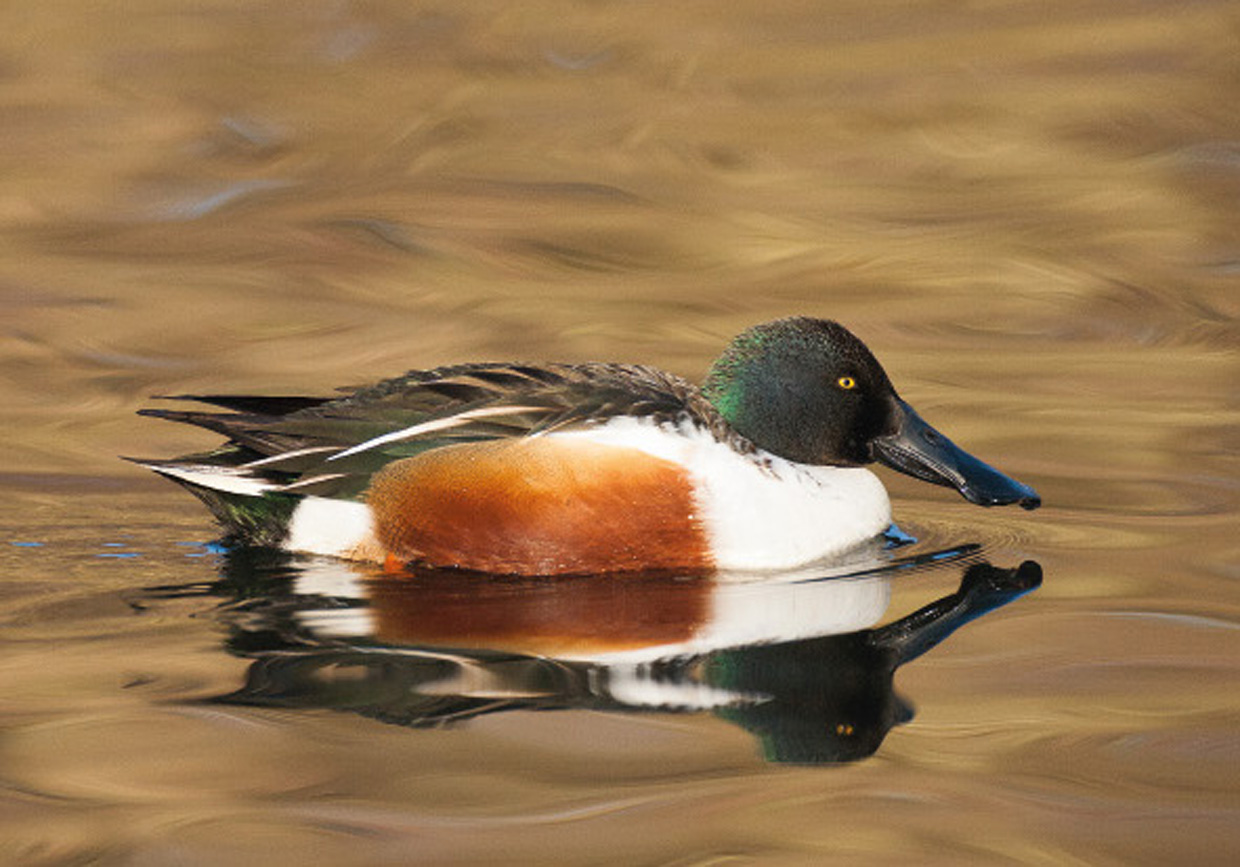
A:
(1027, 210)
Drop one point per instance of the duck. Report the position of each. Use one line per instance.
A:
(583, 468)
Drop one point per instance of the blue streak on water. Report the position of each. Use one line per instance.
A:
(194, 208)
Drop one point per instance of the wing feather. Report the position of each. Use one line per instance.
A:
(332, 446)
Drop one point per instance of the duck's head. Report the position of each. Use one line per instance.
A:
(809, 391)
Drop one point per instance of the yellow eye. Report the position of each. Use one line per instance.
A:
(846, 383)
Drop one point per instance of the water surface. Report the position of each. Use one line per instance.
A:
(1029, 215)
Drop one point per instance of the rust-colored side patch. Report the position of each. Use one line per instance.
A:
(539, 506)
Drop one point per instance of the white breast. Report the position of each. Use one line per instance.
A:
(761, 512)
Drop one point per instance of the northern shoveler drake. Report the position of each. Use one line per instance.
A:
(584, 468)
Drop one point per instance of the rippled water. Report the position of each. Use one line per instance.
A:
(1030, 215)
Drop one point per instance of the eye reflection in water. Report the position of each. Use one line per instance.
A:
(793, 661)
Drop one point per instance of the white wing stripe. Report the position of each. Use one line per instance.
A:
(432, 426)
(312, 480)
(283, 456)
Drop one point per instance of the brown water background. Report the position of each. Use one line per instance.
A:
(1030, 211)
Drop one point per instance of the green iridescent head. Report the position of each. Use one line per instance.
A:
(804, 389)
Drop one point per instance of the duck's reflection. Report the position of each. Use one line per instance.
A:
(794, 661)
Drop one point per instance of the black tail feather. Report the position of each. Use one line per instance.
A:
(245, 429)
(253, 403)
